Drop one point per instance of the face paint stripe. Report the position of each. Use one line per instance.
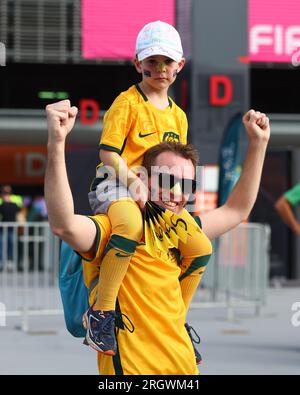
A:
(161, 66)
(147, 73)
(176, 190)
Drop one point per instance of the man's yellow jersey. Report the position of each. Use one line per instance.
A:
(150, 299)
(132, 125)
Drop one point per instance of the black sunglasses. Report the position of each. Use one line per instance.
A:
(168, 181)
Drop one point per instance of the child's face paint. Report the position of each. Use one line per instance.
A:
(159, 70)
(161, 66)
(158, 64)
(176, 190)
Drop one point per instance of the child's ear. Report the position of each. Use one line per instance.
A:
(181, 65)
(137, 65)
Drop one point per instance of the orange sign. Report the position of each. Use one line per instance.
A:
(205, 201)
(22, 164)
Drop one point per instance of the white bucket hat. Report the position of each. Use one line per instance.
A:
(158, 38)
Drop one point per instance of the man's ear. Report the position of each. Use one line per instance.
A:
(137, 65)
(181, 65)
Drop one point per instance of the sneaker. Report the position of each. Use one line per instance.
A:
(100, 334)
(194, 341)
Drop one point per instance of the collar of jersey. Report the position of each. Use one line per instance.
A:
(147, 100)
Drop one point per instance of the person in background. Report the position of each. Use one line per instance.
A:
(37, 210)
(284, 206)
(17, 199)
(10, 206)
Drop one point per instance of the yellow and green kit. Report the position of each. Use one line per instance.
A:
(150, 332)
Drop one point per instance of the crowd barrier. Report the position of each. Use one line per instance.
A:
(236, 276)
(238, 273)
(29, 255)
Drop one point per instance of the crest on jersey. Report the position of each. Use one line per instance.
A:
(171, 136)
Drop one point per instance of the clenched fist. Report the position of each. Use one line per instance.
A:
(61, 118)
(257, 125)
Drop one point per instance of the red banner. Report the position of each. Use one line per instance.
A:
(274, 30)
(22, 164)
(110, 28)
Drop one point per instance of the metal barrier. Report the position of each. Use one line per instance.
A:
(237, 274)
(29, 256)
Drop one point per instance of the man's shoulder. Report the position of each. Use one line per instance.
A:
(102, 224)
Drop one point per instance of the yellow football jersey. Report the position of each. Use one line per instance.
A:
(132, 125)
(151, 302)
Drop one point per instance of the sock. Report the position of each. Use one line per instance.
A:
(112, 271)
(127, 229)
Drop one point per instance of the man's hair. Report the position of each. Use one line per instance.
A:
(186, 151)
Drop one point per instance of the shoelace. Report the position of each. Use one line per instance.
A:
(120, 324)
(191, 332)
(109, 324)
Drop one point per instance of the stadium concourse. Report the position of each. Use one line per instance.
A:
(268, 344)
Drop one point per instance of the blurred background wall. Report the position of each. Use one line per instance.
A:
(240, 54)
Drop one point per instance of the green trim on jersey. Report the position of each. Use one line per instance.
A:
(198, 221)
(141, 92)
(109, 148)
(196, 264)
(98, 238)
(121, 243)
(146, 98)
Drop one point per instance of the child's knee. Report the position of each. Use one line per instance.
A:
(127, 220)
(132, 231)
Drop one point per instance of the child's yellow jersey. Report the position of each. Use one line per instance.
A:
(132, 125)
(150, 296)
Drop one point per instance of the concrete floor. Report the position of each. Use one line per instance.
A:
(268, 344)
